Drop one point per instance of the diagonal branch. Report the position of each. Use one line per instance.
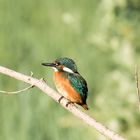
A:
(72, 108)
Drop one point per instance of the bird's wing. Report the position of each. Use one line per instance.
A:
(79, 84)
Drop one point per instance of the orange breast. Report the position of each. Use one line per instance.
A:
(63, 86)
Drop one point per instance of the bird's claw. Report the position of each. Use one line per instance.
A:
(69, 102)
(59, 100)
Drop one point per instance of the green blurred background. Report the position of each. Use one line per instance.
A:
(102, 36)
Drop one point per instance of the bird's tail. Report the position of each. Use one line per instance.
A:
(85, 106)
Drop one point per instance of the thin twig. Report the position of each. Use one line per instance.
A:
(18, 91)
(72, 108)
(137, 85)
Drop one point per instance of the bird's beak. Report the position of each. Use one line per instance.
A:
(49, 64)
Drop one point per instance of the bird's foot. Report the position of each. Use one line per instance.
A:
(69, 102)
(59, 100)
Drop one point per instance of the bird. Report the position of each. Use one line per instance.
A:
(69, 83)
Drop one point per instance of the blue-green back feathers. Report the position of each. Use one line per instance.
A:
(79, 84)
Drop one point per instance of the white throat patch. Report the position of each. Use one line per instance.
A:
(55, 69)
(66, 69)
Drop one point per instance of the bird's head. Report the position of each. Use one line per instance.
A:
(63, 64)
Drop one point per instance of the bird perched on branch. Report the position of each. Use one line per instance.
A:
(69, 83)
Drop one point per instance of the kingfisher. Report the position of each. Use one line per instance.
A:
(69, 83)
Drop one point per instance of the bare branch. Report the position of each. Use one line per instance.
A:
(137, 85)
(72, 108)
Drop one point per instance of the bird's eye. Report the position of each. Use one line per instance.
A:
(57, 63)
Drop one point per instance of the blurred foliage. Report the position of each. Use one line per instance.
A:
(102, 36)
